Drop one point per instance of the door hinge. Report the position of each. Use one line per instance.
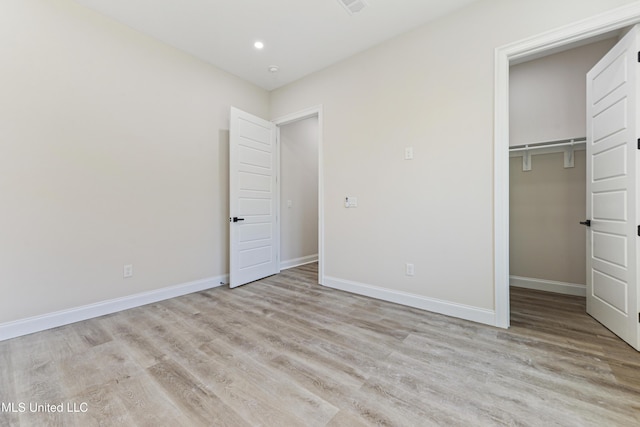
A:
(638, 56)
(638, 143)
(639, 230)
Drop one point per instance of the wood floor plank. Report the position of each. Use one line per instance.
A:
(360, 319)
(102, 408)
(197, 404)
(347, 418)
(336, 389)
(326, 328)
(101, 365)
(287, 336)
(301, 402)
(128, 330)
(142, 400)
(286, 351)
(227, 383)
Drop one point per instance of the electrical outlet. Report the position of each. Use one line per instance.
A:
(127, 271)
(409, 269)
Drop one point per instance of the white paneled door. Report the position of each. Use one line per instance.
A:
(254, 234)
(612, 199)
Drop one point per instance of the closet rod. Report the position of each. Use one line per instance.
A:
(559, 143)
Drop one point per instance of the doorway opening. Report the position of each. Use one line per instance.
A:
(300, 189)
(585, 32)
(298, 180)
(547, 169)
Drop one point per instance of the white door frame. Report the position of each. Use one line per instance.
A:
(527, 49)
(315, 111)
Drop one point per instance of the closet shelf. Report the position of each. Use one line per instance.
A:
(566, 146)
(549, 144)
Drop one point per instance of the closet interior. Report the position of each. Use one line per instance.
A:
(547, 245)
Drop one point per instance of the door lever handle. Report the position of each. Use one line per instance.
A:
(235, 219)
(587, 223)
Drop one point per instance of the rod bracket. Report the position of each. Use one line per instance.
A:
(569, 160)
(526, 161)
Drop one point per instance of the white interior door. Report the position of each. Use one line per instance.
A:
(254, 234)
(612, 201)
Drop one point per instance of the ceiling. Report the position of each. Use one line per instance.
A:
(299, 36)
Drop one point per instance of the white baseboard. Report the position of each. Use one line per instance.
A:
(64, 317)
(447, 308)
(296, 262)
(548, 286)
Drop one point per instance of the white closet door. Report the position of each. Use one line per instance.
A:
(612, 155)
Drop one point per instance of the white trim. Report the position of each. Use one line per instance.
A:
(294, 117)
(64, 317)
(447, 308)
(298, 115)
(321, 257)
(296, 262)
(549, 286)
(278, 182)
(527, 49)
(501, 192)
(534, 151)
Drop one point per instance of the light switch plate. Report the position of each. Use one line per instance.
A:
(408, 153)
(127, 271)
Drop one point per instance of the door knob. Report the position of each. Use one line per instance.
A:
(587, 223)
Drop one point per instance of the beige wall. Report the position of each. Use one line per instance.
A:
(299, 184)
(547, 97)
(113, 150)
(546, 205)
(431, 89)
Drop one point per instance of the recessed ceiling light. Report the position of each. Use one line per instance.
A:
(273, 68)
(258, 45)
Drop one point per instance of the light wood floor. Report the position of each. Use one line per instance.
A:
(286, 352)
